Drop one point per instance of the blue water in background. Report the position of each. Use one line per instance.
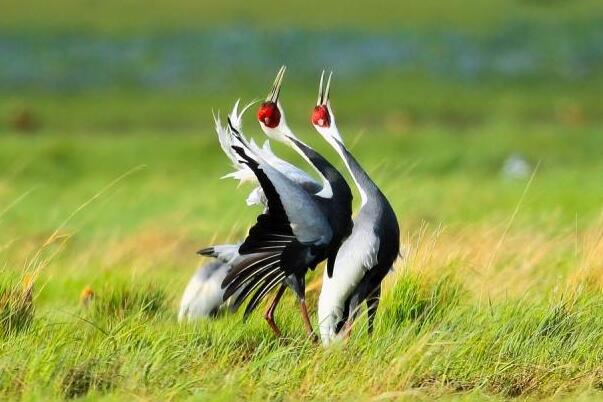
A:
(72, 61)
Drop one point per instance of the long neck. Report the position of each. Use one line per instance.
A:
(315, 160)
(332, 177)
(363, 182)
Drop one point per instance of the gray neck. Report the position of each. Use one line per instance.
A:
(366, 187)
(327, 191)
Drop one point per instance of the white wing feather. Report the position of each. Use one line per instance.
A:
(292, 172)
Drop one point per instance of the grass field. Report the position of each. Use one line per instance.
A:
(115, 187)
(500, 293)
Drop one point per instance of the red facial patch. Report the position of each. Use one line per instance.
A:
(321, 117)
(269, 114)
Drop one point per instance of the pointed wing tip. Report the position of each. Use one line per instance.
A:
(208, 251)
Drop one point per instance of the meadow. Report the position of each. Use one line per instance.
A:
(109, 180)
(500, 292)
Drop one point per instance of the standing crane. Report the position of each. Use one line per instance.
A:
(299, 229)
(368, 254)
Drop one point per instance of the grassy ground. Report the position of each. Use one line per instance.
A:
(499, 296)
(115, 188)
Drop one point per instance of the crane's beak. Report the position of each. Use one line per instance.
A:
(276, 87)
(323, 94)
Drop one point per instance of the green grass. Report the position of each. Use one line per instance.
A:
(488, 303)
(500, 294)
(446, 348)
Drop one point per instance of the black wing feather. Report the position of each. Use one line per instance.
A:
(250, 275)
(247, 264)
(271, 233)
(274, 220)
(256, 283)
(267, 285)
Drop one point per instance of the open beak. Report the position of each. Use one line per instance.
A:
(276, 87)
(323, 95)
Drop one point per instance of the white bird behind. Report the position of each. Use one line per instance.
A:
(203, 296)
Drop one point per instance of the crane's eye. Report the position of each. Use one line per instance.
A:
(269, 114)
(321, 117)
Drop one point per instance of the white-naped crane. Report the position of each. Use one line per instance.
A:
(298, 229)
(368, 254)
(204, 296)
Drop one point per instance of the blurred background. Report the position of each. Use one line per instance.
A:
(481, 120)
(110, 67)
(452, 106)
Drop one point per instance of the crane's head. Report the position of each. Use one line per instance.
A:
(271, 115)
(323, 118)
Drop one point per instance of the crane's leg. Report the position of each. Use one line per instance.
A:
(269, 315)
(372, 304)
(298, 285)
(306, 319)
(352, 314)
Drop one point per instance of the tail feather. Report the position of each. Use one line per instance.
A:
(208, 251)
(224, 252)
